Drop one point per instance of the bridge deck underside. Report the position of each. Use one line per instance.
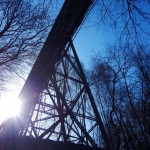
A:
(64, 28)
(28, 143)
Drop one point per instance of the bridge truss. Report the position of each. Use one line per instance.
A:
(57, 101)
(63, 111)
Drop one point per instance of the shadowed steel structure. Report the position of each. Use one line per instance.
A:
(57, 101)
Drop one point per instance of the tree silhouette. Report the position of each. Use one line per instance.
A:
(23, 29)
(120, 83)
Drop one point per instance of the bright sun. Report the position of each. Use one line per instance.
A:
(10, 106)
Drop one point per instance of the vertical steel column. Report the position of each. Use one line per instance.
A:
(97, 115)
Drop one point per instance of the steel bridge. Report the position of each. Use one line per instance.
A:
(57, 102)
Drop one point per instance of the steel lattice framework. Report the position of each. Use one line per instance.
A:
(58, 103)
(63, 111)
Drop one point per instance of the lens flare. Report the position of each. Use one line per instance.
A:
(10, 106)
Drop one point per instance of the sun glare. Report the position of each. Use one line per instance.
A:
(10, 106)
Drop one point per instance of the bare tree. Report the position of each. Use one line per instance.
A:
(130, 19)
(23, 29)
(121, 86)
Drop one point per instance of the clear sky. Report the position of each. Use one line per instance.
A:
(89, 41)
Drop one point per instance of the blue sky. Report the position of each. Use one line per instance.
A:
(92, 39)
(89, 41)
